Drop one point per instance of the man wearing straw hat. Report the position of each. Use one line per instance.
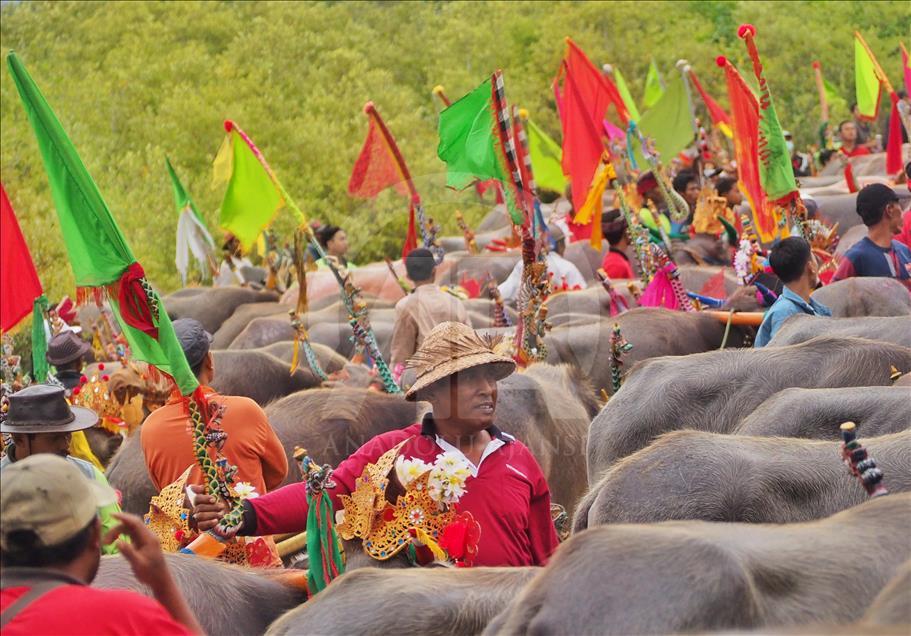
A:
(457, 373)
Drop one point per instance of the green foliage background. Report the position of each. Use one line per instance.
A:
(133, 81)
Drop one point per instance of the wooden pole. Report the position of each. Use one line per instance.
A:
(821, 89)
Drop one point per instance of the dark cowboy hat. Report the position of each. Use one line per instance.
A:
(42, 408)
(66, 347)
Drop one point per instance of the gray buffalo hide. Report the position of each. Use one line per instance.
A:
(802, 327)
(215, 305)
(714, 477)
(871, 296)
(714, 391)
(693, 576)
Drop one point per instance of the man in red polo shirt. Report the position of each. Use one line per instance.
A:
(50, 539)
(847, 131)
(506, 493)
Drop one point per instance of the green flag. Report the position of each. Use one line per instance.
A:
(625, 94)
(546, 158)
(181, 196)
(866, 82)
(668, 122)
(654, 87)
(469, 146)
(98, 253)
(835, 101)
(251, 199)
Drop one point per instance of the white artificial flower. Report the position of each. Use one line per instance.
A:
(407, 470)
(245, 490)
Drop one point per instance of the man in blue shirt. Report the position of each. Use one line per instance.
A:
(795, 266)
(877, 254)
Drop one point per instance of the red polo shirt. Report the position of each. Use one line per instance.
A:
(509, 498)
(78, 609)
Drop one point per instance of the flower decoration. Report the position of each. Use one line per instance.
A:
(407, 470)
(245, 490)
(447, 477)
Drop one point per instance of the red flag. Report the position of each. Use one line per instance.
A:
(719, 118)
(381, 165)
(583, 101)
(894, 143)
(19, 284)
(745, 116)
(906, 68)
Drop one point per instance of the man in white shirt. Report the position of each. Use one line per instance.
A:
(564, 275)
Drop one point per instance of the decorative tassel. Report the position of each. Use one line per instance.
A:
(860, 463)
(618, 303)
(618, 346)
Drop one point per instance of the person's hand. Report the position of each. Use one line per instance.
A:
(143, 552)
(207, 511)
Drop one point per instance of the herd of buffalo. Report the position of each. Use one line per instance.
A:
(707, 494)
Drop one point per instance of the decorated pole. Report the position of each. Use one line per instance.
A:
(821, 90)
(618, 346)
(301, 336)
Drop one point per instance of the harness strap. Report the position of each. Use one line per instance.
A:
(36, 592)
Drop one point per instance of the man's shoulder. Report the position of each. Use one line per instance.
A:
(901, 249)
(240, 411)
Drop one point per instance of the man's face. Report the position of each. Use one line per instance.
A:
(35, 443)
(734, 197)
(338, 245)
(469, 396)
(691, 194)
(653, 195)
(894, 214)
(848, 132)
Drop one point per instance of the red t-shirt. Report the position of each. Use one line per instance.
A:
(509, 498)
(78, 609)
(616, 264)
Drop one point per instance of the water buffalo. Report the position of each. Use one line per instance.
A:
(258, 376)
(497, 264)
(714, 391)
(871, 296)
(892, 606)
(689, 576)
(652, 331)
(426, 601)
(329, 360)
(213, 306)
(241, 317)
(802, 327)
(715, 477)
(817, 413)
(127, 473)
(593, 301)
(226, 599)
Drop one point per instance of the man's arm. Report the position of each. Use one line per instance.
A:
(106, 514)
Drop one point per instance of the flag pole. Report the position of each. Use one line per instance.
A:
(821, 89)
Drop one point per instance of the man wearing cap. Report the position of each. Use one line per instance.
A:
(41, 421)
(418, 313)
(878, 254)
(50, 537)
(251, 445)
(563, 274)
(457, 373)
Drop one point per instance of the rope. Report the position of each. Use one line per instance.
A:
(727, 329)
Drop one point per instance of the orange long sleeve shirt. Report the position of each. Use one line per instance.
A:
(251, 445)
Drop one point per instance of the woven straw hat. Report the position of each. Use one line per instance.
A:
(452, 347)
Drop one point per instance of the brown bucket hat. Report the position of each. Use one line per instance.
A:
(452, 347)
(65, 347)
(42, 408)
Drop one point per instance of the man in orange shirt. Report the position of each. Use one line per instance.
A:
(251, 445)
